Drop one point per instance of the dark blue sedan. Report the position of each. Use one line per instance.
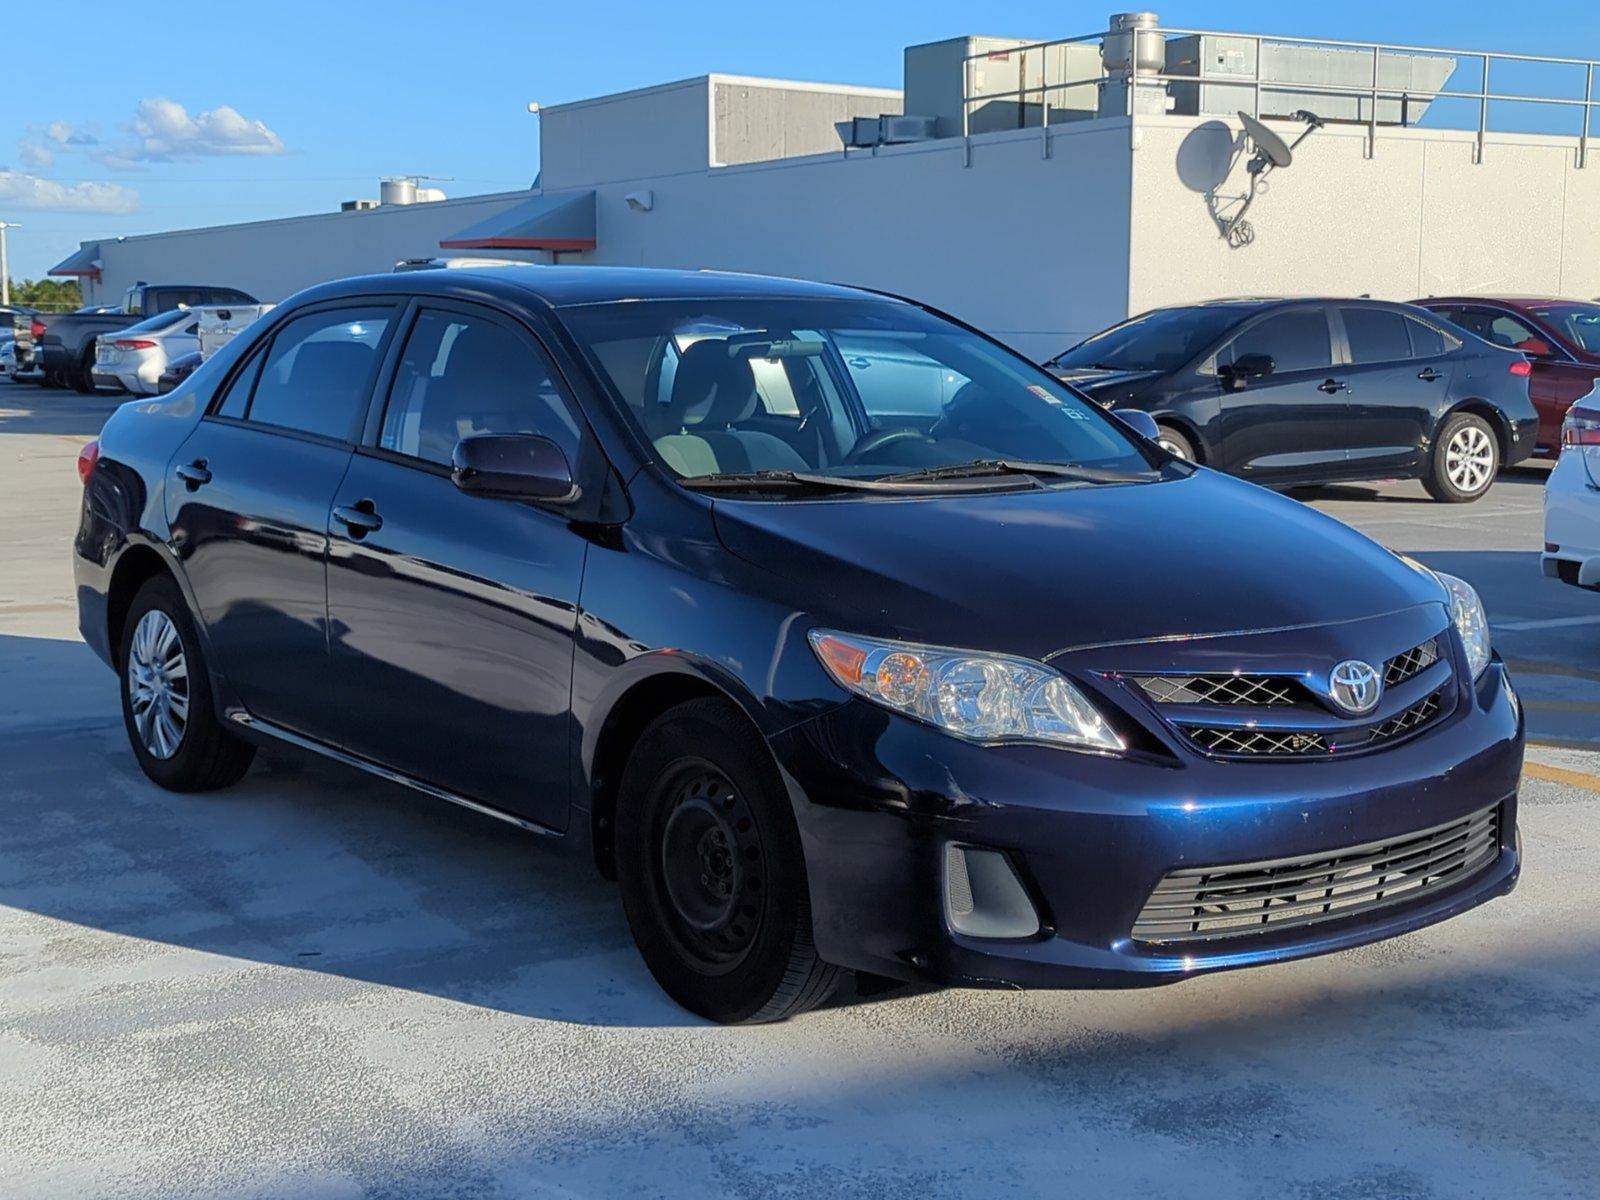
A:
(841, 636)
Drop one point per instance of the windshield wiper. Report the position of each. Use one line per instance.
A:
(802, 481)
(980, 467)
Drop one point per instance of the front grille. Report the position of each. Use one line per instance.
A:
(1251, 898)
(1309, 743)
(1403, 666)
(1218, 689)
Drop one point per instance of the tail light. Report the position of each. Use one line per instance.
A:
(1522, 368)
(133, 344)
(36, 328)
(87, 457)
(1581, 428)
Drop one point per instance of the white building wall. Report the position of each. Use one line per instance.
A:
(272, 259)
(1418, 218)
(1033, 250)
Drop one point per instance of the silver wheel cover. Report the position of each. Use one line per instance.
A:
(1469, 459)
(158, 684)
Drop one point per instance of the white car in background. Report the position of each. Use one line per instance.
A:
(1572, 499)
(133, 358)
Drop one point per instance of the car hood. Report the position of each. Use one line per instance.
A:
(1041, 572)
(1105, 386)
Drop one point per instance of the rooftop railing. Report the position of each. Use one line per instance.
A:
(1477, 90)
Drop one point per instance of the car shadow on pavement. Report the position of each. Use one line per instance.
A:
(28, 408)
(305, 864)
(1412, 493)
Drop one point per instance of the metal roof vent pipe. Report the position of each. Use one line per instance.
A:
(397, 191)
(1134, 47)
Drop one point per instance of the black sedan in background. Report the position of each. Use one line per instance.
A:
(1295, 392)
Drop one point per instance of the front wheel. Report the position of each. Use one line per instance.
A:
(1175, 444)
(712, 874)
(167, 707)
(1465, 458)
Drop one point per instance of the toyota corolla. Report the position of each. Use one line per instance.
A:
(842, 637)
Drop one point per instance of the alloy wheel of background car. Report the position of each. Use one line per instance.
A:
(167, 706)
(1466, 458)
(1175, 444)
(711, 870)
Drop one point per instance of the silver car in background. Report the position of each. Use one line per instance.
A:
(133, 358)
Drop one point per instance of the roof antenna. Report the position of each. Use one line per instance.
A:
(1272, 152)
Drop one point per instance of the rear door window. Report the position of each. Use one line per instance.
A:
(1376, 335)
(1428, 342)
(1297, 340)
(318, 373)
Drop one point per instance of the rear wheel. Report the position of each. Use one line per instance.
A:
(712, 874)
(166, 697)
(1465, 459)
(1175, 444)
(82, 379)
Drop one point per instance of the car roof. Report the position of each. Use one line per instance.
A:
(1510, 301)
(565, 286)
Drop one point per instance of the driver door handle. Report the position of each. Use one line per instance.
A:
(1429, 375)
(359, 519)
(1333, 385)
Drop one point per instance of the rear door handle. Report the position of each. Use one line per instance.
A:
(1333, 385)
(360, 518)
(1429, 375)
(195, 474)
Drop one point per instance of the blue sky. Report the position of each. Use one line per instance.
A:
(220, 113)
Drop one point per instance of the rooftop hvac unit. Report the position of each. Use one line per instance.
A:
(357, 205)
(1225, 68)
(936, 74)
(887, 130)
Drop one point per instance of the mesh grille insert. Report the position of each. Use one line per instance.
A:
(1218, 689)
(1251, 898)
(1403, 666)
(1308, 743)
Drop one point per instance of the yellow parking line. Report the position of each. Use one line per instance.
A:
(1549, 774)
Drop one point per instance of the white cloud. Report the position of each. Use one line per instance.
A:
(19, 190)
(163, 130)
(36, 156)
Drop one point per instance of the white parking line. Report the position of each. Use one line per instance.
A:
(1546, 623)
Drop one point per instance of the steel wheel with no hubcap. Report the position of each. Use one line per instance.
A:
(158, 684)
(713, 867)
(1469, 459)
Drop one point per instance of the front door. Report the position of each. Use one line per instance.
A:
(452, 616)
(247, 502)
(1290, 425)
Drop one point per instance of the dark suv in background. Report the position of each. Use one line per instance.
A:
(1561, 338)
(1295, 392)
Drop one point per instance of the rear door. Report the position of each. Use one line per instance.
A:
(452, 615)
(1289, 426)
(248, 496)
(1399, 374)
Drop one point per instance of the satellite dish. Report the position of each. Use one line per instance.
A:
(1270, 148)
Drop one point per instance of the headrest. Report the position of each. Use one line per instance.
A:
(710, 390)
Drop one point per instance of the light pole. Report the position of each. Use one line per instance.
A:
(5, 264)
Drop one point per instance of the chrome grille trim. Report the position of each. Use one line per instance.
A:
(1218, 689)
(1414, 661)
(1197, 904)
(1250, 742)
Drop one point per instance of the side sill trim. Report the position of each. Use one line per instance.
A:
(256, 725)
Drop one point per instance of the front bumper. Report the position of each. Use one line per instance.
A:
(878, 799)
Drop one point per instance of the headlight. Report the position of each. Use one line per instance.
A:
(976, 696)
(1466, 610)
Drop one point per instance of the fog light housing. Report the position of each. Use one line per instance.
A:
(983, 897)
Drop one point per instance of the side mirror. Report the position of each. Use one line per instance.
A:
(513, 466)
(1251, 366)
(1139, 421)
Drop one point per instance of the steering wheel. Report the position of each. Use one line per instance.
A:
(885, 437)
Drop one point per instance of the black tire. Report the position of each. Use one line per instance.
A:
(699, 778)
(1451, 477)
(1176, 443)
(81, 379)
(207, 756)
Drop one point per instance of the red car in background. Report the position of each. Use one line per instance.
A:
(1560, 337)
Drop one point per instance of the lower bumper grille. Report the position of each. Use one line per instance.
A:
(1251, 898)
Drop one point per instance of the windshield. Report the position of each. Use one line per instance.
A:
(838, 390)
(1163, 340)
(1578, 324)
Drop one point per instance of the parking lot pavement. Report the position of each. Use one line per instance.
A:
(316, 985)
